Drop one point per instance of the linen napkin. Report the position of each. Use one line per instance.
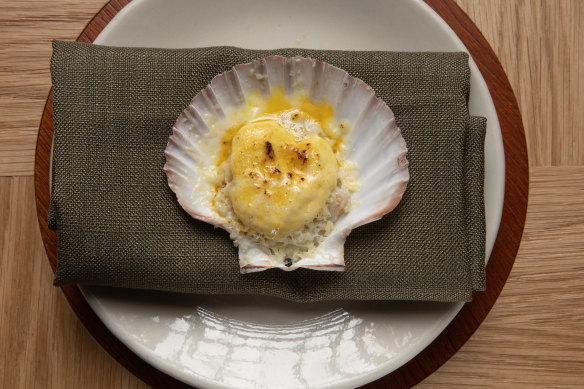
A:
(120, 225)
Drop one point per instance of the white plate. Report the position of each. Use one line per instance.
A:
(263, 342)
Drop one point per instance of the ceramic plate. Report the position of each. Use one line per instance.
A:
(235, 341)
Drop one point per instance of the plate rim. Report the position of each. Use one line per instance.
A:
(468, 318)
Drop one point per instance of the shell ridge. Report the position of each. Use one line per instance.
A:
(180, 135)
(174, 156)
(184, 145)
(316, 85)
(343, 106)
(235, 88)
(290, 77)
(360, 128)
(359, 124)
(211, 103)
(244, 74)
(381, 147)
(228, 90)
(178, 173)
(261, 76)
(334, 83)
(378, 173)
(184, 160)
(306, 72)
(276, 69)
(195, 120)
(382, 199)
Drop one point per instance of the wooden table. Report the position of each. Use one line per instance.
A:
(534, 336)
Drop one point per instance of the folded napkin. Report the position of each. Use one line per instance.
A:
(120, 225)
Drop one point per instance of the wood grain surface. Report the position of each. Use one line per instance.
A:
(471, 315)
(534, 336)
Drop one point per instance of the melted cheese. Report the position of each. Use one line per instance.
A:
(279, 182)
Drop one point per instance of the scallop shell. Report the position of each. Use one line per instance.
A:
(375, 144)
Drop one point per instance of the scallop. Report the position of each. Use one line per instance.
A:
(198, 154)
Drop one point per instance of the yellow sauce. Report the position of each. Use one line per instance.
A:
(257, 105)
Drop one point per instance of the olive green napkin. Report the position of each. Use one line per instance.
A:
(120, 225)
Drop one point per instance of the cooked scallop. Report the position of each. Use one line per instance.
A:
(288, 155)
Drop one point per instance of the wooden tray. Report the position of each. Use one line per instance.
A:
(471, 315)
